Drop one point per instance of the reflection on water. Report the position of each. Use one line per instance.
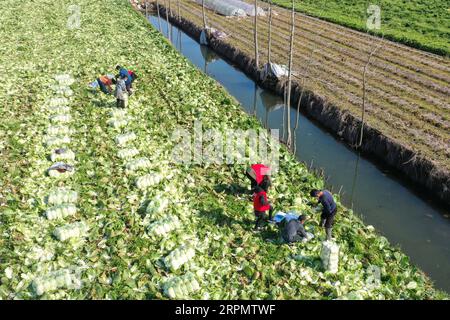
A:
(208, 55)
(403, 217)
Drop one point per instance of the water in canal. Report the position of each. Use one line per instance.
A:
(383, 201)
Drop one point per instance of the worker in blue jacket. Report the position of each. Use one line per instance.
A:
(128, 76)
(329, 209)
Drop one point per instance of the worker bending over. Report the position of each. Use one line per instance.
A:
(104, 83)
(259, 176)
(329, 209)
(292, 230)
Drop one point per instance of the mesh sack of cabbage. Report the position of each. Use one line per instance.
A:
(164, 226)
(148, 180)
(156, 205)
(178, 257)
(124, 138)
(118, 113)
(138, 164)
(59, 109)
(64, 79)
(62, 154)
(330, 256)
(181, 287)
(60, 169)
(72, 230)
(60, 118)
(58, 130)
(56, 141)
(127, 153)
(62, 90)
(117, 123)
(59, 101)
(64, 278)
(62, 195)
(61, 211)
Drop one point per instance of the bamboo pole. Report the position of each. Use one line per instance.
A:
(255, 31)
(167, 19)
(291, 49)
(179, 10)
(269, 42)
(364, 91)
(159, 16)
(203, 14)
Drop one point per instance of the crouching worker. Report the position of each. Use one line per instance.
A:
(258, 174)
(104, 83)
(121, 93)
(261, 205)
(329, 209)
(294, 231)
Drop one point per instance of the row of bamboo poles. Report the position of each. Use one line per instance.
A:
(288, 87)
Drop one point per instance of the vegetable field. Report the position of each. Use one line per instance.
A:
(126, 222)
(406, 89)
(420, 23)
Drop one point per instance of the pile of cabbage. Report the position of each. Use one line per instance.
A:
(129, 223)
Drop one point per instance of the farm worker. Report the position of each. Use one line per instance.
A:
(259, 176)
(121, 93)
(329, 209)
(293, 231)
(129, 75)
(261, 205)
(104, 82)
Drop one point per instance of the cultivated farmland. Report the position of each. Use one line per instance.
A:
(423, 24)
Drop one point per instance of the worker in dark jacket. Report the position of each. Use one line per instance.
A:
(261, 205)
(293, 230)
(329, 209)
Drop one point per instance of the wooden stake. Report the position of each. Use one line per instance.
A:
(291, 49)
(269, 45)
(366, 66)
(204, 14)
(159, 16)
(167, 19)
(255, 31)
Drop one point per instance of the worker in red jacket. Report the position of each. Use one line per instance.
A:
(261, 205)
(259, 176)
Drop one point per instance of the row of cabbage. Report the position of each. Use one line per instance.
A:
(61, 201)
(160, 222)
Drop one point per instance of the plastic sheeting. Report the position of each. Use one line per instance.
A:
(223, 8)
(275, 70)
(247, 7)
